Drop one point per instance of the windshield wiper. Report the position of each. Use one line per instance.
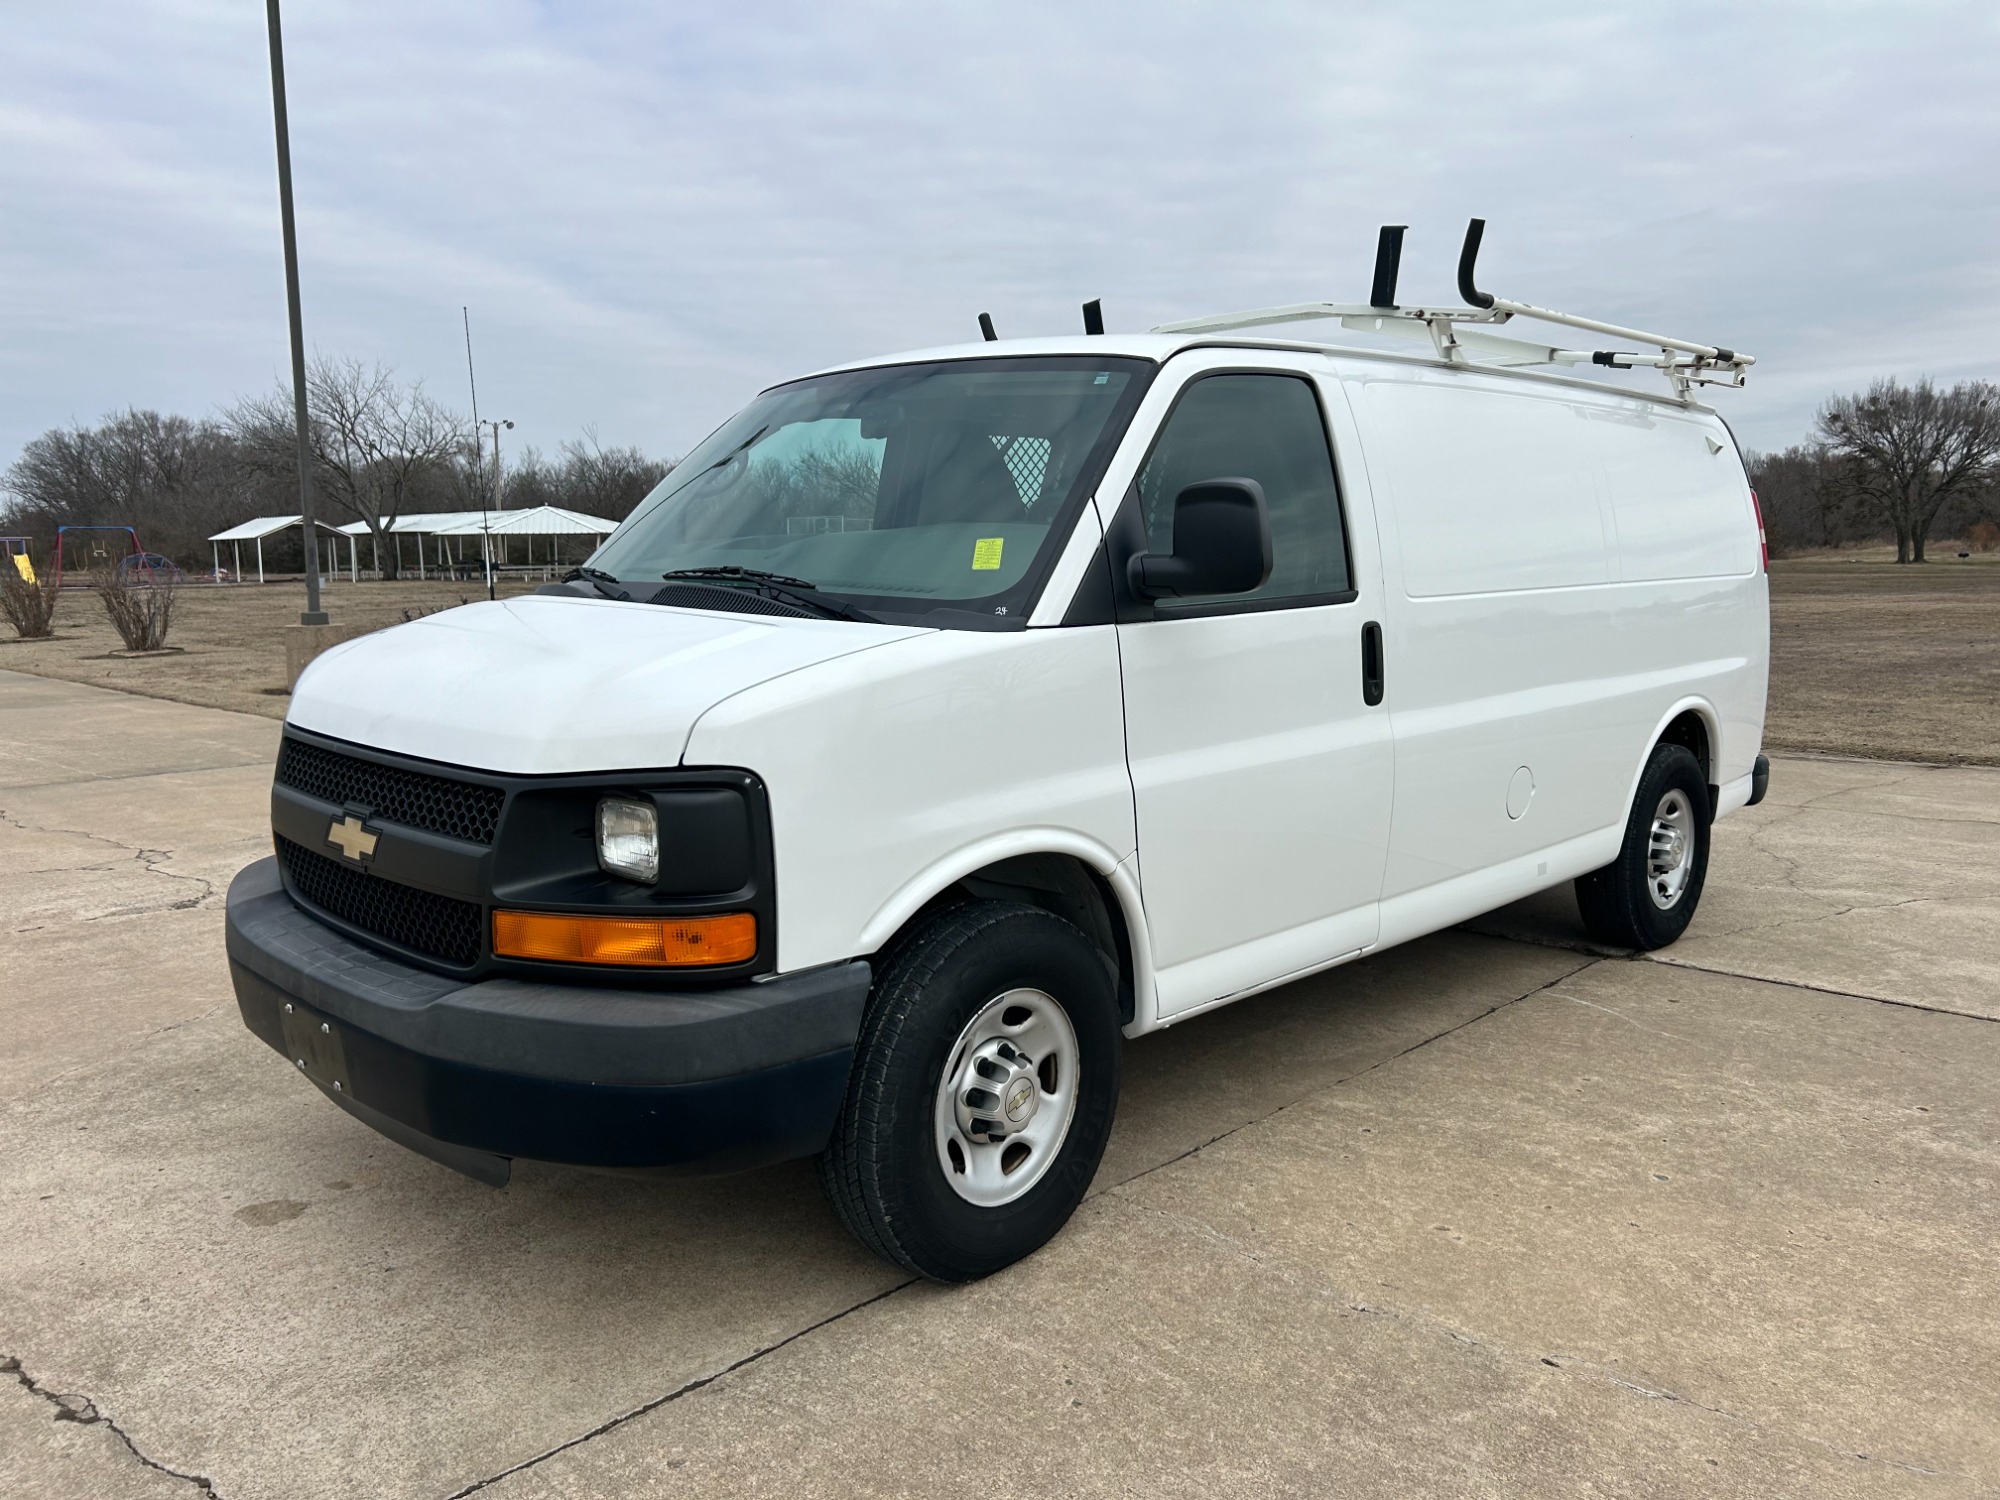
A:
(796, 591)
(751, 575)
(600, 580)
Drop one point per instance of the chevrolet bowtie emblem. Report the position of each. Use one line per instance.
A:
(351, 839)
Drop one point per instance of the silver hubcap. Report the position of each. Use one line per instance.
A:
(1006, 1097)
(1670, 851)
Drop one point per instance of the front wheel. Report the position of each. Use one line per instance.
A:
(1646, 897)
(984, 1085)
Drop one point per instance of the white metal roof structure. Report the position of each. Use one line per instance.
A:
(536, 520)
(449, 526)
(416, 520)
(259, 527)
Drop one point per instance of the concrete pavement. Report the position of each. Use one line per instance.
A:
(1490, 1213)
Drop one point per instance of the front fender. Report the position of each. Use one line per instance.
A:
(1121, 875)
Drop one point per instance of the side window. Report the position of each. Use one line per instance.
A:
(1267, 428)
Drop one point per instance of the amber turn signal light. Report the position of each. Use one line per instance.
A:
(643, 942)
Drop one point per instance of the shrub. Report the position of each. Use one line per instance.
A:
(1982, 536)
(30, 607)
(141, 606)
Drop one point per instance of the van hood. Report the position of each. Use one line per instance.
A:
(547, 685)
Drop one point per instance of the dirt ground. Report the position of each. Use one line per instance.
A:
(1895, 663)
(232, 638)
(1868, 658)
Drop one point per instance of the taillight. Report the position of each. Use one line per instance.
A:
(1763, 546)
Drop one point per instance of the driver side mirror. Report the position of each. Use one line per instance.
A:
(1222, 543)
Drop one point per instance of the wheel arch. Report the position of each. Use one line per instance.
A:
(1693, 724)
(1074, 877)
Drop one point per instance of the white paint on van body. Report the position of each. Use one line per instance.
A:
(952, 749)
(1568, 570)
(544, 685)
(1261, 780)
(1559, 569)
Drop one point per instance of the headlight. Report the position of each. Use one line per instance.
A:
(628, 839)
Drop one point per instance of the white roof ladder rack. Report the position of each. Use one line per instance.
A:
(1685, 363)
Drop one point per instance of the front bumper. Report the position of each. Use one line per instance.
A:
(475, 1074)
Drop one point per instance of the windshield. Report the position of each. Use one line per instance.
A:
(911, 490)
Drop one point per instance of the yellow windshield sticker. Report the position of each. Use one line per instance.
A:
(986, 553)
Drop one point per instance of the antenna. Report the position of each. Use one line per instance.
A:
(1388, 262)
(986, 328)
(478, 451)
(1093, 316)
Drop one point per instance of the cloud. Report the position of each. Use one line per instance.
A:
(653, 211)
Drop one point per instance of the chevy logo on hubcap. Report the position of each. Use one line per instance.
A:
(352, 839)
(1019, 1102)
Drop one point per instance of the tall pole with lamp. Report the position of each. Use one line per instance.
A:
(499, 500)
(313, 614)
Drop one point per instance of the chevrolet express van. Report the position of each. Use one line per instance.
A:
(943, 722)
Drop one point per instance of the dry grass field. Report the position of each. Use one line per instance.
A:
(232, 638)
(1868, 658)
(1893, 663)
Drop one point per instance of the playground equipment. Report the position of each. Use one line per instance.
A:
(150, 567)
(15, 549)
(85, 549)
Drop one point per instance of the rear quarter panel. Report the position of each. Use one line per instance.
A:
(1568, 568)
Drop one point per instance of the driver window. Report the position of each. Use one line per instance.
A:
(1267, 428)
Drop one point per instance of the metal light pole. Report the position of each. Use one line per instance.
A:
(313, 614)
(499, 500)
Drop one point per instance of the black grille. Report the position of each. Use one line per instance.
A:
(437, 804)
(739, 601)
(441, 926)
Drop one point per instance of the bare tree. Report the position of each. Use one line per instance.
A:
(30, 607)
(174, 481)
(140, 604)
(1807, 499)
(1907, 450)
(377, 444)
(589, 477)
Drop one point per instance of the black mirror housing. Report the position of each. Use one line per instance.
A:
(1222, 543)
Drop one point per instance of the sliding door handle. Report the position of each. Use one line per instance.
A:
(1371, 663)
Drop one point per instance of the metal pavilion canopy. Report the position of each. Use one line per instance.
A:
(259, 527)
(455, 525)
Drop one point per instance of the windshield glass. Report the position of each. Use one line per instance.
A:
(908, 489)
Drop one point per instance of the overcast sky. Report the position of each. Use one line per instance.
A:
(652, 211)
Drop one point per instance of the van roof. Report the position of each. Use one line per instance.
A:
(1160, 347)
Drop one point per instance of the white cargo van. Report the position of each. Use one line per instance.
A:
(944, 720)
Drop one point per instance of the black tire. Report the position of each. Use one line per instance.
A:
(882, 1168)
(1618, 902)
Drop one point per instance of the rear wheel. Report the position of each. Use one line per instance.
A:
(984, 1085)
(1646, 897)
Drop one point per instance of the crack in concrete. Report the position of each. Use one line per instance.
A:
(1590, 1370)
(56, 1080)
(81, 1409)
(150, 860)
(234, 765)
(1817, 989)
(687, 1388)
(1672, 1036)
(1346, 1078)
(1307, 1279)
(1830, 916)
(1107, 1192)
